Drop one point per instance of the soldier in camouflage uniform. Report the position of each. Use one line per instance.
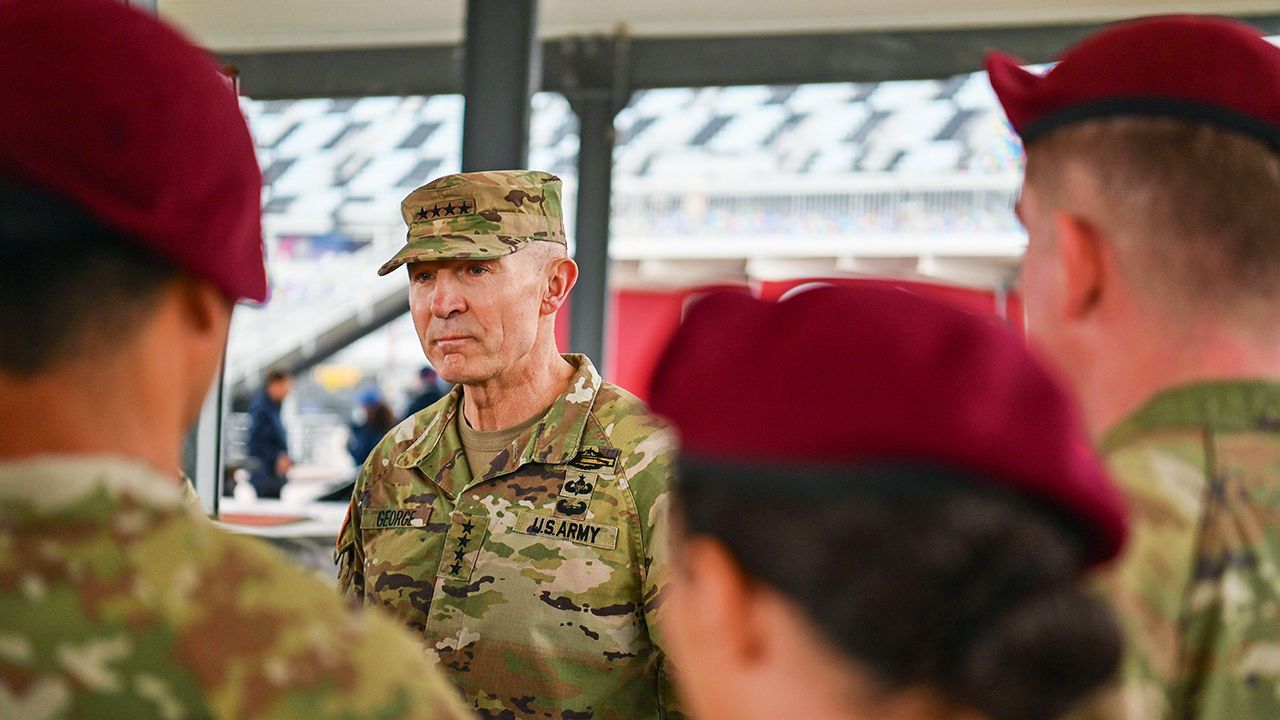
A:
(1152, 279)
(117, 599)
(129, 225)
(518, 524)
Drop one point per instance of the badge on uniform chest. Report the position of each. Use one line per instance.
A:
(595, 459)
(578, 531)
(567, 519)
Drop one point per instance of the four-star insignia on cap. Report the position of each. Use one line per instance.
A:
(451, 208)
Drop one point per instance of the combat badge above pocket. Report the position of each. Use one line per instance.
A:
(596, 459)
(384, 518)
(578, 531)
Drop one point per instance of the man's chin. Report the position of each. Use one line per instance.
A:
(457, 373)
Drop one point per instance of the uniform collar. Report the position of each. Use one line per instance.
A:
(75, 485)
(1220, 406)
(555, 439)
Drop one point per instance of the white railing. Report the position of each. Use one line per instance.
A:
(858, 205)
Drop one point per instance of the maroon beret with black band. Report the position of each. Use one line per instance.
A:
(865, 377)
(115, 112)
(1184, 67)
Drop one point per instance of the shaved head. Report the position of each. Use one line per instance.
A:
(1192, 209)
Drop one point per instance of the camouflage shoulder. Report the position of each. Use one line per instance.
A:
(626, 416)
(267, 639)
(403, 436)
(648, 446)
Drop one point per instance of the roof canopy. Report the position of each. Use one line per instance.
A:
(247, 25)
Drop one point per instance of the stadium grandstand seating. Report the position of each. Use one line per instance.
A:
(894, 169)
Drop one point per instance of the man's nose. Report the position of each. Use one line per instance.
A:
(446, 297)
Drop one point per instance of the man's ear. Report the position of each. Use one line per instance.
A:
(720, 598)
(562, 275)
(206, 320)
(206, 307)
(1081, 253)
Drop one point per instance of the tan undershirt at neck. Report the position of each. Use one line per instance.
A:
(482, 446)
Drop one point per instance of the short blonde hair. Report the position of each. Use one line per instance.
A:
(1195, 209)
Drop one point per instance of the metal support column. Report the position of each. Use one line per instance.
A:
(596, 87)
(500, 68)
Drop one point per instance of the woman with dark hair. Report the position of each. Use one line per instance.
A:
(899, 535)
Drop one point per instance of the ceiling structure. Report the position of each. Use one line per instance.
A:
(248, 26)
(351, 49)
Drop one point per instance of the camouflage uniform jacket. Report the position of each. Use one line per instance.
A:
(537, 581)
(119, 600)
(1198, 588)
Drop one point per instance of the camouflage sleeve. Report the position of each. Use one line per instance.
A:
(286, 647)
(1150, 584)
(651, 487)
(349, 554)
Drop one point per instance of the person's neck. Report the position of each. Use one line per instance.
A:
(507, 400)
(80, 410)
(837, 702)
(1126, 375)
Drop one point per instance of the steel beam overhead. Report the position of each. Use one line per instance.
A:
(870, 56)
(500, 69)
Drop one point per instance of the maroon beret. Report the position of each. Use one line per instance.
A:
(1200, 69)
(117, 113)
(868, 376)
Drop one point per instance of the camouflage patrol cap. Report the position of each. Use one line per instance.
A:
(479, 215)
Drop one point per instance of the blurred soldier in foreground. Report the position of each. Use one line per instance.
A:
(517, 524)
(129, 225)
(1152, 280)
(903, 539)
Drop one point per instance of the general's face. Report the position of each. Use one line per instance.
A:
(477, 319)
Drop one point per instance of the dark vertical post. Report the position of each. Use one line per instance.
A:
(596, 85)
(500, 68)
(589, 314)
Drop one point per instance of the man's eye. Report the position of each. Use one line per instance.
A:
(477, 269)
(424, 277)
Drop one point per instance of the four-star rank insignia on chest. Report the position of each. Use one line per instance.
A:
(445, 209)
(462, 546)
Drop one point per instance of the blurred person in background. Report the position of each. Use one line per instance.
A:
(903, 539)
(429, 395)
(517, 525)
(130, 204)
(268, 451)
(1152, 282)
(377, 420)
